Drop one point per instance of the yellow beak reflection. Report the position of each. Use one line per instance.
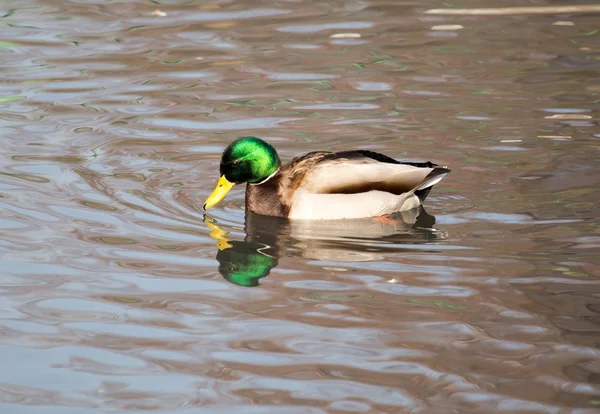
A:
(219, 193)
(217, 233)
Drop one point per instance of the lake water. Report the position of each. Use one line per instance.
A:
(119, 294)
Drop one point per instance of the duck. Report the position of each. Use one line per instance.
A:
(323, 185)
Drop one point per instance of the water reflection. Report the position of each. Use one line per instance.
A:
(113, 116)
(267, 239)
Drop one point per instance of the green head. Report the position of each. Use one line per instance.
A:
(245, 160)
(249, 160)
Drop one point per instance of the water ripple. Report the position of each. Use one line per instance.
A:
(119, 293)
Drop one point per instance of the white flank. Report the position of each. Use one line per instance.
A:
(321, 195)
(374, 203)
(347, 174)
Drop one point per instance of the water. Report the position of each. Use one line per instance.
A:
(118, 294)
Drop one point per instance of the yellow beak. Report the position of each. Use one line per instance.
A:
(219, 193)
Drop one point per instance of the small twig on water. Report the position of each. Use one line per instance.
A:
(505, 11)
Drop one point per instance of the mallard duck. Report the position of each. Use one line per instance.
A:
(323, 185)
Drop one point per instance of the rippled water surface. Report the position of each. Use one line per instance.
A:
(118, 294)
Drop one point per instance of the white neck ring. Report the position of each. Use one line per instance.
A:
(266, 179)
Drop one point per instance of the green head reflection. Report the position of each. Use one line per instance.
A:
(240, 262)
(244, 264)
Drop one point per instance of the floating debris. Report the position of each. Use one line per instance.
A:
(555, 136)
(506, 11)
(563, 23)
(511, 141)
(11, 98)
(220, 25)
(345, 36)
(447, 27)
(159, 13)
(568, 116)
(228, 62)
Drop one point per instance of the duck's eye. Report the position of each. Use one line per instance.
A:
(235, 164)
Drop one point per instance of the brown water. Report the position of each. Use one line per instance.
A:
(119, 295)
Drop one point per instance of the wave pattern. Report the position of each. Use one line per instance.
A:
(116, 296)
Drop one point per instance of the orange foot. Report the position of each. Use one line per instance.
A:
(386, 219)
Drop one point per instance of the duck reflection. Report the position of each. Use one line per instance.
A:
(269, 238)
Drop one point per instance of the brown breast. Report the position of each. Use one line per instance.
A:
(265, 198)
